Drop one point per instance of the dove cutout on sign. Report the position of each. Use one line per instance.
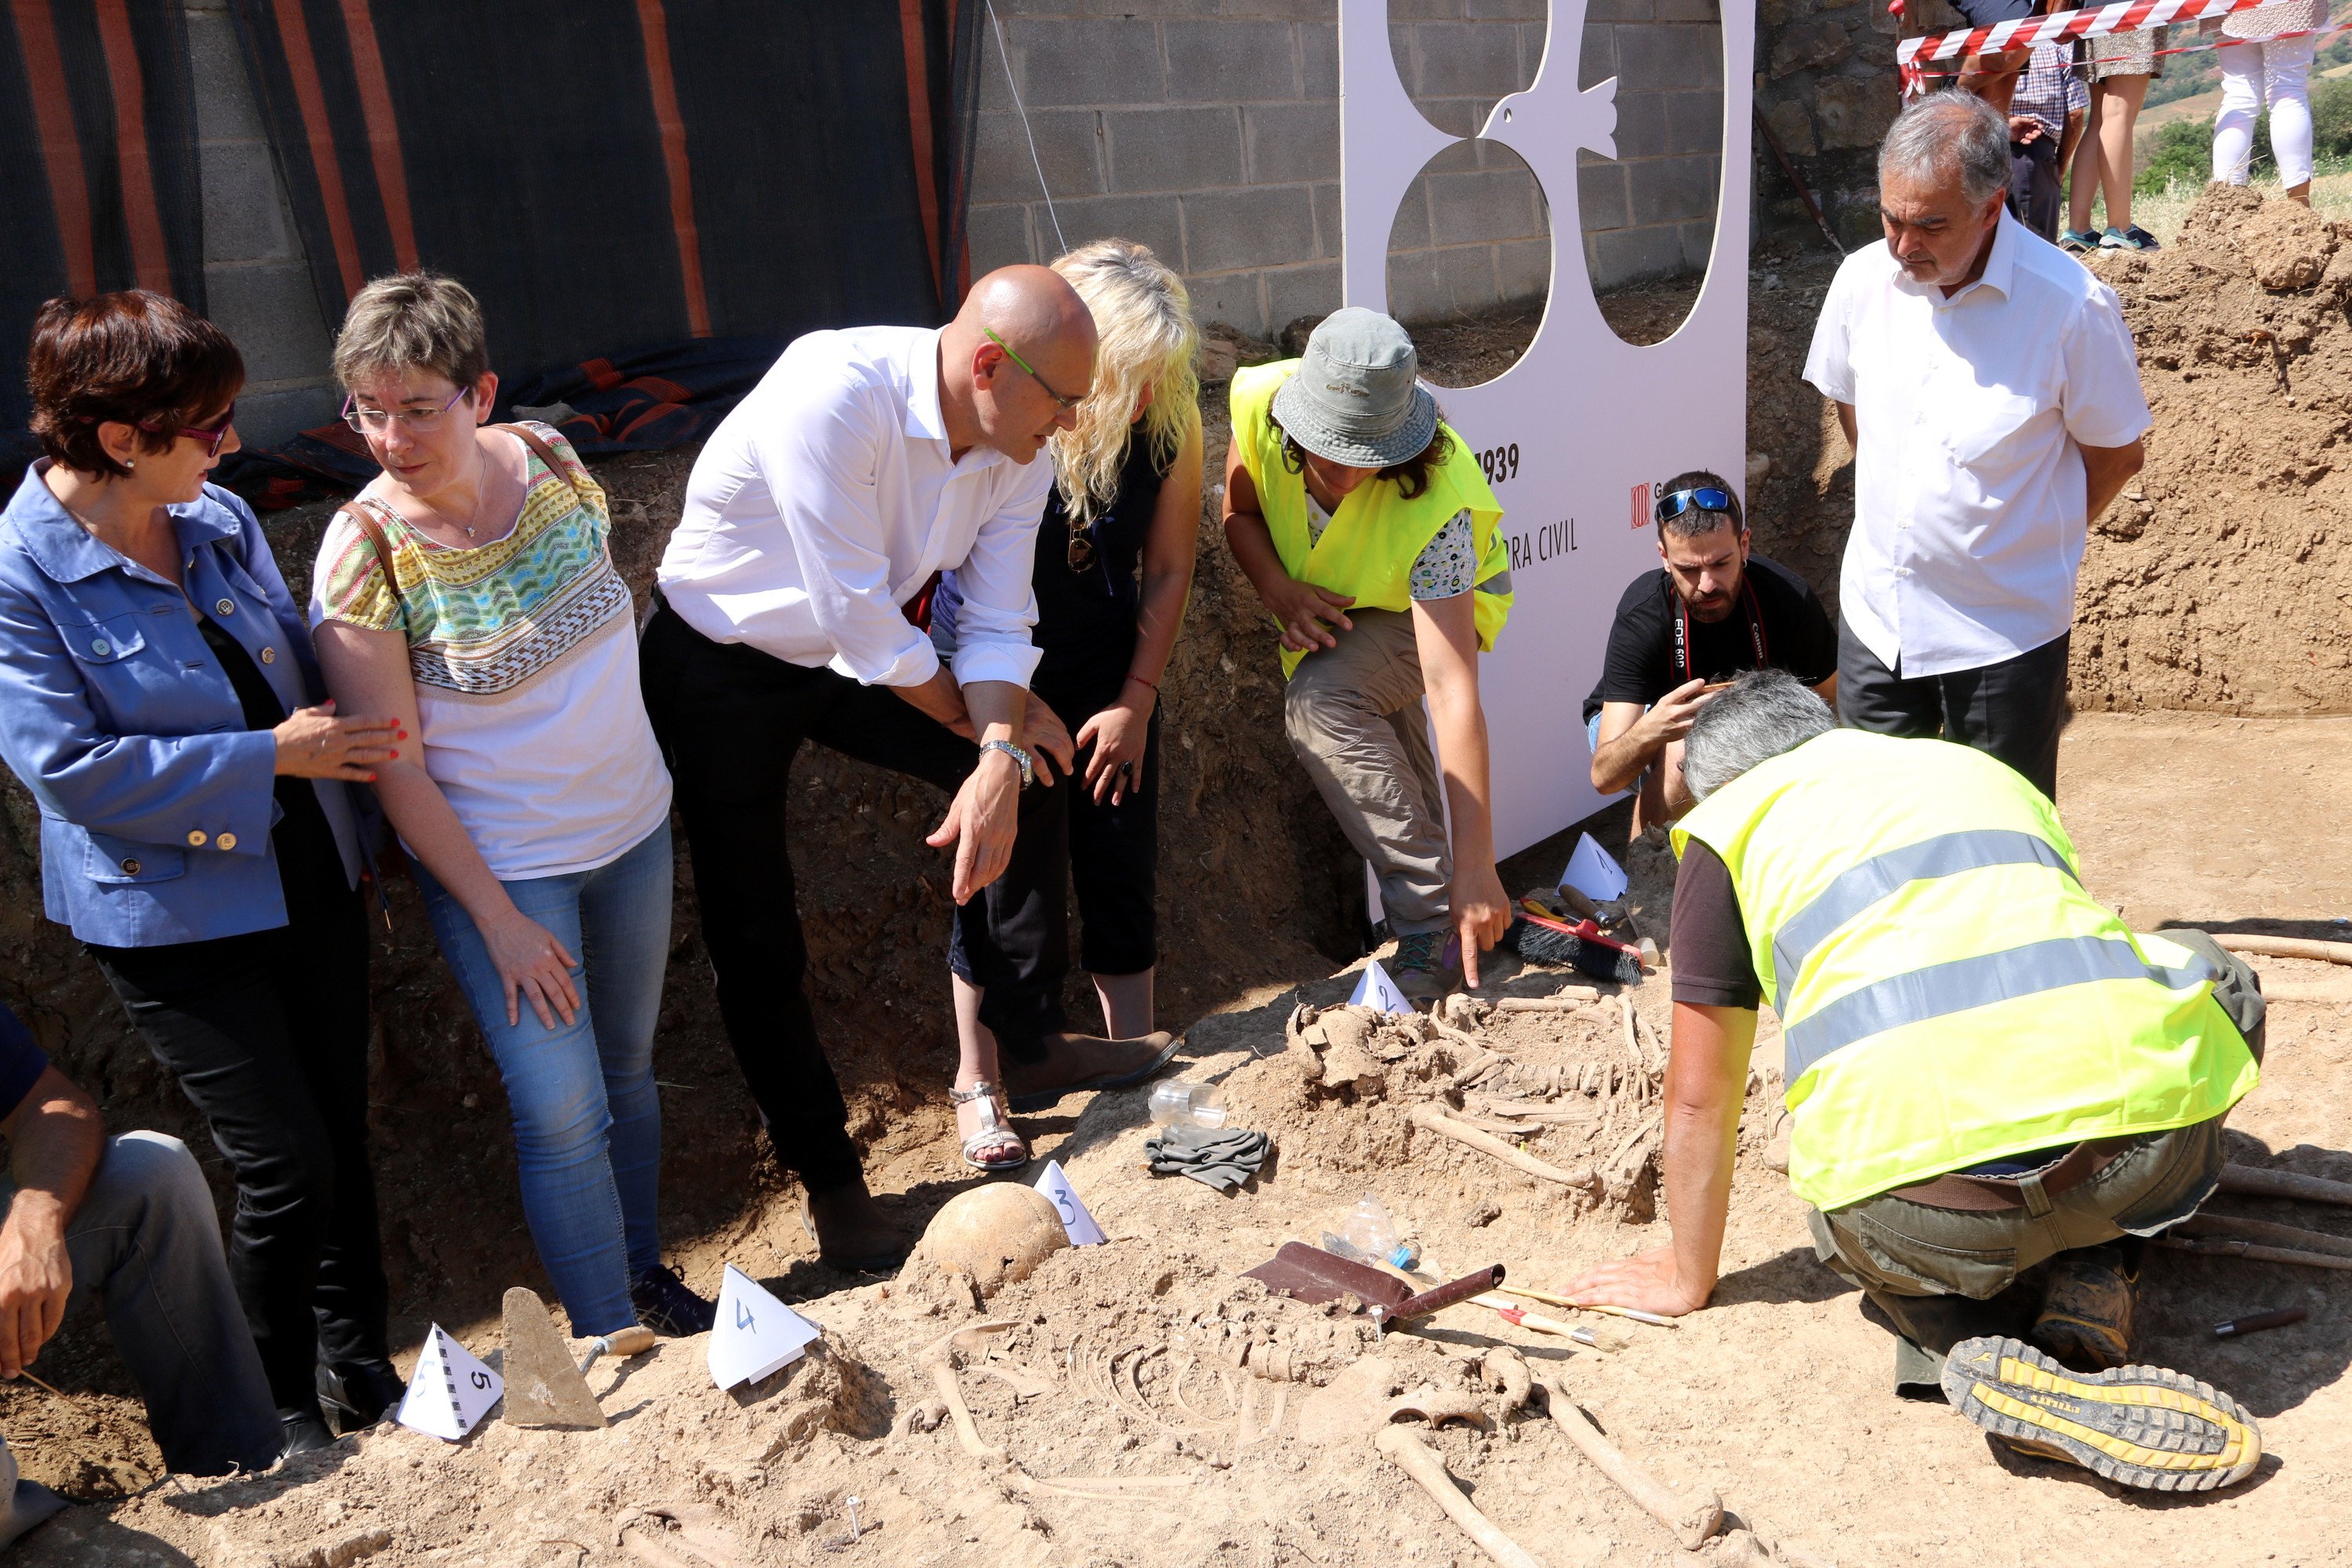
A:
(756, 1335)
(1377, 990)
(451, 1392)
(1080, 1225)
(1591, 872)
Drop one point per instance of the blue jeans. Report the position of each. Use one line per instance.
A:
(587, 1117)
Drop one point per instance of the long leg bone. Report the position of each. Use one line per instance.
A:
(1692, 1522)
(1410, 1454)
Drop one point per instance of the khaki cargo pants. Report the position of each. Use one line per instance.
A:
(1942, 1276)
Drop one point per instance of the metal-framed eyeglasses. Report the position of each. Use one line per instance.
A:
(1704, 498)
(416, 421)
(1067, 403)
(215, 437)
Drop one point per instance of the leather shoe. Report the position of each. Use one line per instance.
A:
(852, 1232)
(1076, 1063)
(356, 1393)
(305, 1431)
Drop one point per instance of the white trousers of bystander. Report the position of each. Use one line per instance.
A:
(2271, 71)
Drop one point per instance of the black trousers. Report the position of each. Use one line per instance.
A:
(2013, 709)
(1109, 855)
(267, 1034)
(2034, 182)
(731, 719)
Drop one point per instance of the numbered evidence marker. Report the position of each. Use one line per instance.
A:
(451, 1392)
(1591, 872)
(1377, 990)
(1080, 1225)
(756, 1335)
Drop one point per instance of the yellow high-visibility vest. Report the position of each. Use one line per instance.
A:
(1377, 534)
(1948, 991)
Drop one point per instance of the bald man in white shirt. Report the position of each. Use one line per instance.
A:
(817, 519)
(1988, 384)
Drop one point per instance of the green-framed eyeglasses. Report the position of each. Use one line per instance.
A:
(1024, 365)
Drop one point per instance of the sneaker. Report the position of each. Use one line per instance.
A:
(2116, 239)
(2136, 1425)
(2086, 1309)
(2142, 239)
(2078, 240)
(666, 1306)
(1427, 965)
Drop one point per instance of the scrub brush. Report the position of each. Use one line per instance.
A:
(1540, 938)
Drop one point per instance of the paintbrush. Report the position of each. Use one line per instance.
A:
(1545, 1297)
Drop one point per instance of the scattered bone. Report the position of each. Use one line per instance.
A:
(1438, 1405)
(1505, 1370)
(1541, 1004)
(2261, 1182)
(2284, 947)
(939, 1359)
(2269, 1235)
(1405, 1449)
(1692, 1522)
(1435, 1121)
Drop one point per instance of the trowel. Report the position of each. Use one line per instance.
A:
(544, 1386)
(1311, 1275)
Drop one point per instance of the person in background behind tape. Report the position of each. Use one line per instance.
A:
(1985, 1070)
(1994, 77)
(1714, 608)
(2119, 67)
(1370, 535)
(1113, 569)
(2264, 69)
(2045, 122)
(125, 1223)
(791, 604)
(1988, 386)
(159, 700)
(468, 589)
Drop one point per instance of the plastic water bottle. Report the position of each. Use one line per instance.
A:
(1187, 1105)
(1368, 1234)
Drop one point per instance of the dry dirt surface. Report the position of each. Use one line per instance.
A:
(1133, 1430)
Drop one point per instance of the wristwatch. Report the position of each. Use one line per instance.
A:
(1020, 758)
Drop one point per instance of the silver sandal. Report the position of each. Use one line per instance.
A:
(994, 1132)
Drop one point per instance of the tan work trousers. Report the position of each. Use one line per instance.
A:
(1354, 716)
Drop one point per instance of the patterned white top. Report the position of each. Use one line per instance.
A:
(1447, 565)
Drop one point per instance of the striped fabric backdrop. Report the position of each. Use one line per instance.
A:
(98, 167)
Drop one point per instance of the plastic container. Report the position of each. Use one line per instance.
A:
(1187, 1105)
(1367, 1234)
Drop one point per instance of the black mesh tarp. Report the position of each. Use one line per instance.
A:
(610, 176)
(97, 168)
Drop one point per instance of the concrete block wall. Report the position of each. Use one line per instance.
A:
(256, 281)
(1209, 130)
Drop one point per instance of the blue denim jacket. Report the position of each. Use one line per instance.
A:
(156, 801)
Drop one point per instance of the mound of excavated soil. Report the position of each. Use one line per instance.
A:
(2219, 580)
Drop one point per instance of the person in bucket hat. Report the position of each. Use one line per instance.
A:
(1375, 542)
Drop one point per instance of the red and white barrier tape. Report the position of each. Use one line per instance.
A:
(2123, 16)
(2203, 46)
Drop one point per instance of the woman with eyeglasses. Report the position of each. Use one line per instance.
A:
(1112, 572)
(468, 592)
(159, 698)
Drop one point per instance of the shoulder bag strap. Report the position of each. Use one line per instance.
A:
(530, 438)
(362, 513)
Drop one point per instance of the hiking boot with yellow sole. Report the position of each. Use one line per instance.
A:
(2086, 1309)
(2136, 1425)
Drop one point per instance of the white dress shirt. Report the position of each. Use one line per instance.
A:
(826, 500)
(1968, 488)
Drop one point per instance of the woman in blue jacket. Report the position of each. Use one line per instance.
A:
(159, 698)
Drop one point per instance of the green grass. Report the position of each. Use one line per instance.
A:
(2165, 213)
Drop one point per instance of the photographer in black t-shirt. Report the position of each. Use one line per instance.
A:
(1712, 611)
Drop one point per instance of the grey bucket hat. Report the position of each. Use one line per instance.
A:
(1355, 398)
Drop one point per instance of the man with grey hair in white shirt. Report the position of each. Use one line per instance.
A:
(791, 607)
(1988, 386)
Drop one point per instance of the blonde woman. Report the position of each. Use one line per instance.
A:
(1113, 569)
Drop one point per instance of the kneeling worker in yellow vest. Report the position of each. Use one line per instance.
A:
(1373, 538)
(1985, 1070)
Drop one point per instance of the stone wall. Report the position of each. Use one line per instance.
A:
(1211, 132)
(1826, 86)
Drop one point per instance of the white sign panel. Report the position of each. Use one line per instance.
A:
(1576, 431)
(1076, 1223)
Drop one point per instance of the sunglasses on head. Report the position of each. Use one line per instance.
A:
(1704, 498)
